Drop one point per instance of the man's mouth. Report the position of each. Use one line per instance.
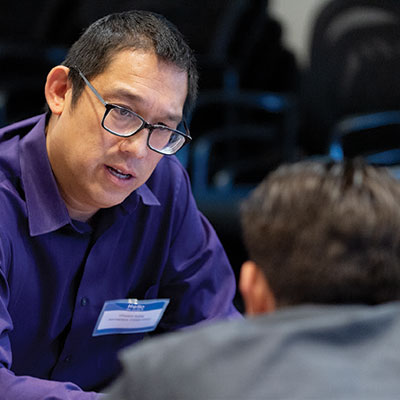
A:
(119, 174)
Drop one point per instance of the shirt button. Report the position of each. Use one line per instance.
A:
(84, 301)
(67, 359)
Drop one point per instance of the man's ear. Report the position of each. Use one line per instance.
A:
(255, 290)
(57, 85)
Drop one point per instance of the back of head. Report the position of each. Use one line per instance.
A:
(135, 30)
(326, 233)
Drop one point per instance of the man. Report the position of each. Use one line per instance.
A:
(100, 238)
(324, 243)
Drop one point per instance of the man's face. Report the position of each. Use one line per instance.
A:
(95, 169)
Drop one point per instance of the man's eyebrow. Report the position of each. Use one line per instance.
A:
(129, 97)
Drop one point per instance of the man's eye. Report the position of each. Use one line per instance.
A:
(124, 113)
(162, 125)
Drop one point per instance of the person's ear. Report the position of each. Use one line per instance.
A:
(257, 295)
(57, 85)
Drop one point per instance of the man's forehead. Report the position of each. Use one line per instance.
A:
(142, 77)
(133, 52)
(139, 63)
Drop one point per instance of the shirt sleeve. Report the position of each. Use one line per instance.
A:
(199, 279)
(14, 387)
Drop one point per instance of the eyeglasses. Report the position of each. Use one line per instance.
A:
(125, 123)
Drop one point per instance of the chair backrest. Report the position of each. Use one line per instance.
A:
(374, 136)
(230, 159)
(354, 63)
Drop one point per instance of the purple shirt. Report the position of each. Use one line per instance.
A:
(56, 273)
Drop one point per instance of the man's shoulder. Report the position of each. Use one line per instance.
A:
(285, 329)
(185, 364)
(10, 167)
(169, 174)
(18, 129)
(304, 347)
(10, 136)
(170, 164)
(203, 340)
(12, 199)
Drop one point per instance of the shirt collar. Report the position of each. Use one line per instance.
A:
(145, 194)
(46, 208)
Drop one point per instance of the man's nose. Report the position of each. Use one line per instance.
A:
(136, 145)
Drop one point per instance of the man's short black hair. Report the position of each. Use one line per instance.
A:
(136, 30)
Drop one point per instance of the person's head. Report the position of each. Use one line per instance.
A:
(131, 30)
(322, 233)
(136, 60)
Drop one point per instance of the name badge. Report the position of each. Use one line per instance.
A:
(129, 316)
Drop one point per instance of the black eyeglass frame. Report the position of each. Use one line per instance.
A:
(145, 124)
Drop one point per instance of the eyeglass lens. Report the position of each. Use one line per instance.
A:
(124, 122)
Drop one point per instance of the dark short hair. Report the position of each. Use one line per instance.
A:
(139, 30)
(326, 233)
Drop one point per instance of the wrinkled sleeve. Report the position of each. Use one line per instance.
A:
(199, 280)
(24, 387)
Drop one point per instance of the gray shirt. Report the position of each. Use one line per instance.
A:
(304, 352)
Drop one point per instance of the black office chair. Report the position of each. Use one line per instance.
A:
(373, 136)
(257, 132)
(354, 64)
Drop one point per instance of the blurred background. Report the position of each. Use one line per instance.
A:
(280, 81)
